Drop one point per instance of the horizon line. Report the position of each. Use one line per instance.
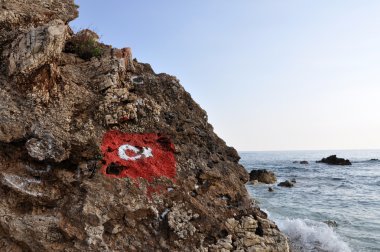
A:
(294, 150)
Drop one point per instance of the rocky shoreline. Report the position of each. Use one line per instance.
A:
(66, 182)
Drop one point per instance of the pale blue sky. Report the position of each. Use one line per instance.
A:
(272, 74)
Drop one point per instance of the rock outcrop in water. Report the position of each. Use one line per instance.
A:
(304, 162)
(286, 183)
(263, 176)
(62, 185)
(334, 160)
(331, 223)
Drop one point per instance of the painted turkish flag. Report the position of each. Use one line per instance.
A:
(147, 156)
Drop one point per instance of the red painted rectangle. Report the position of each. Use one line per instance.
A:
(148, 156)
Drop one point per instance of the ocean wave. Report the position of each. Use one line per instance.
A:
(345, 185)
(308, 235)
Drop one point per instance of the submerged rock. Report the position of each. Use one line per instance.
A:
(286, 183)
(331, 223)
(334, 160)
(263, 176)
(78, 119)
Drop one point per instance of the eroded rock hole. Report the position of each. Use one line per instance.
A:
(223, 233)
(259, 231)
(115, 169)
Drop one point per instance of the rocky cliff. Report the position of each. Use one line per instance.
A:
(99, 153)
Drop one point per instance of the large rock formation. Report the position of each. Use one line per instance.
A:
(334, 160)
(263, 176)
(57, 112)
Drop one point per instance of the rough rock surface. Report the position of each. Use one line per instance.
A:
(331, 223)
(286, 183)
(334, 160)
(263, 176)
(54, 111)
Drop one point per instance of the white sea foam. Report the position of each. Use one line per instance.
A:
(349, 196)
(312, 236)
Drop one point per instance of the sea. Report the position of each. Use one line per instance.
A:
(346, 195)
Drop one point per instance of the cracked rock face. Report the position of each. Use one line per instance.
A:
(36, 48)
(55, 109)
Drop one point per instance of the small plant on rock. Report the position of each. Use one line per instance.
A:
(84, 44)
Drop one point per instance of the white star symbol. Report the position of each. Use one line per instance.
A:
(147, 152)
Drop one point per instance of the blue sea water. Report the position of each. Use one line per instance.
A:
(349, 195)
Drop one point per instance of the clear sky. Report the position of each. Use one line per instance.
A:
(272, 74)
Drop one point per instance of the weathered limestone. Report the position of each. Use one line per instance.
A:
(55, 108)
(35, 48)
(47, 148)
(180, 221)
(27, 13)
